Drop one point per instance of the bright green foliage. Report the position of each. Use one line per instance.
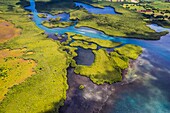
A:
(130, 51)
(120, 60)
(41, 15)
(71, 54)
(56, 34)
(84, 45)
(46, 89)
(81, 87)
(69, 39)
(127, 24)
(53, 23)
(103, 43)
(102, 70)
(3, 72)
(56, 24)
(161, 5)
(155, 12)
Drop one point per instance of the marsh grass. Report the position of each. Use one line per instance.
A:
(46, 90)
(107, 68)
(102, 70)
(100, 42)
(16, 69)
(126, 24)
(85, 45)
(57, 24)
(40, 92)
(130, 51)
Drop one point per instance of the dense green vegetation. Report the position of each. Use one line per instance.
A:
(81, 87)
(3, 72)
(100, 42)
(69, 39)
(71, 54)
(53, 23)
(130, 51)
(46, 89)
(120, 60)
(155, 11)
(107, 67)
(41, 15)
(85, 45)
(102, 70)
(127, 24)
(56, 24)
(13, 69)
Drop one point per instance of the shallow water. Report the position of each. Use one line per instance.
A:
(146, 88)
(96, 10)
(85, 57)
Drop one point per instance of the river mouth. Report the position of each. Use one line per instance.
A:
(148, 92)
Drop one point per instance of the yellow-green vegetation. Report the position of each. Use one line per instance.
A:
(102, 70)
(120, 60)
(56, 24)
(100, 42)
(107, 67)
(98, 6)
(69, 39)
(130, 51)
(46, 89)
(7, 31)
(133, 7)
(83, 44)
(81, 87)
(13, 69)
(161, 5)
(71, 54)
(41, 15)
(126, 24)
(53, 23)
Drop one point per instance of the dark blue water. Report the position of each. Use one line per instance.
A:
(96, 10)
(152, 93)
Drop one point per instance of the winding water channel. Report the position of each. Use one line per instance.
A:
(149, 92)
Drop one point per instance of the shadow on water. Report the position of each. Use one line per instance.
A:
(85, 57)
(51, 5)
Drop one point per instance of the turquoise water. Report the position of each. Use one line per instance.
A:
(152, 93)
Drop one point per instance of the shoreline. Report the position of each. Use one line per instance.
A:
(165, 33)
